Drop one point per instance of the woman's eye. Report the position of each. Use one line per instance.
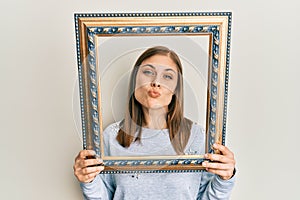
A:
(166, 76)
(148, 72)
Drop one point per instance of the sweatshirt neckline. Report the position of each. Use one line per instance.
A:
(148, 132)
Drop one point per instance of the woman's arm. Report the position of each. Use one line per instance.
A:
(99, 189)
(218, 179)
(213, 187)
(93, 185)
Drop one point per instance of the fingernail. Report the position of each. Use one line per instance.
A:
(215, 145)
(206, 155)
(204, 164)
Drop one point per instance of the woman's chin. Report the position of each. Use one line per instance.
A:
(156, 106)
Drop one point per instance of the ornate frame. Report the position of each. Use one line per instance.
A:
(90, 25)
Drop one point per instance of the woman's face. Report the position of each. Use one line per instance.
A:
(156, 82)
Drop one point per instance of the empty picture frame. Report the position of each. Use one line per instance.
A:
(108, 45)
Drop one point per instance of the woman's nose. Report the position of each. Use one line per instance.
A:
(155, 83)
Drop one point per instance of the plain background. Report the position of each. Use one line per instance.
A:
(40, 139)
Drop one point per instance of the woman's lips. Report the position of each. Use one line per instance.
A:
(153, 94)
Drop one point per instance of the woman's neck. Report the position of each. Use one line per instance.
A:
(155, 118)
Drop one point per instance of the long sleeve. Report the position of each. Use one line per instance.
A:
(212, 187)
(101, 188)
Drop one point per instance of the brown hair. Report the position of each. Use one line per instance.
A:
(179, 127)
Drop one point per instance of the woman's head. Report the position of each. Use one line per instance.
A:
(156, 79)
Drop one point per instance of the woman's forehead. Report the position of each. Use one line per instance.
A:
(160, 62)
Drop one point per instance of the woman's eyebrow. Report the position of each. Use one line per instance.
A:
(148, 65)
(172, 70)
(153, 67)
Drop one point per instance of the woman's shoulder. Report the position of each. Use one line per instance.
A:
(197, 127)
(197, 132)
(196, 143)
(112, 129)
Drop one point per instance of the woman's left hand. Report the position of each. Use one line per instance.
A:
(223, 164)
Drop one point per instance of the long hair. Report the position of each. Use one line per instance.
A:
(179, 126)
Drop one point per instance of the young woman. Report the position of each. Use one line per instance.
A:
(154, 125)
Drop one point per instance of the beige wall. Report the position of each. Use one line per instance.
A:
(39, 137)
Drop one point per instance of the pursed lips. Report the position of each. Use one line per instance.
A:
(153, 93)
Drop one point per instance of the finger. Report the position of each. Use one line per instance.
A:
(217, 166)
(90, 177)
(83, 154)
(219, 158)
(86, 153)
(224, 174)
(223, 149)
(90, 170)
(91, 162)
(83, 163)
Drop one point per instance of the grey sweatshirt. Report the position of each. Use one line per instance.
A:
(159, 186)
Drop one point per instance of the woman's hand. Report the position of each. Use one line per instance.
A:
(85, 169)
(223, 164)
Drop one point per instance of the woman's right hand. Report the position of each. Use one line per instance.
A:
(85, 169)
